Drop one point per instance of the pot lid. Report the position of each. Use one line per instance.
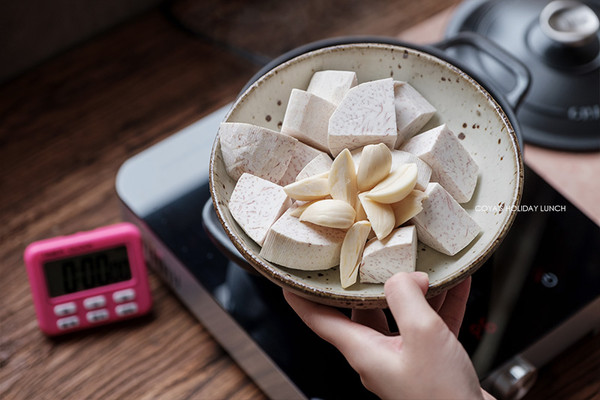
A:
(559, 41)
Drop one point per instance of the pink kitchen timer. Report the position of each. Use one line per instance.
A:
(88, 279)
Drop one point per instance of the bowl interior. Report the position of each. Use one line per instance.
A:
(461, 103)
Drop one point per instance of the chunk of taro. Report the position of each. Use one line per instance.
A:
(256, 150)
(366, 115)
(302, 245)
(307, 118)
(256, 204)
(443, 224)
(383, 258)
(413, 111)
(332, 85)
(303, 154)
(451, 164)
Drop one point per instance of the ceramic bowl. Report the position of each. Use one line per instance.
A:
(461, 102)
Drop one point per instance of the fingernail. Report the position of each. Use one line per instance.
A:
(421, 274)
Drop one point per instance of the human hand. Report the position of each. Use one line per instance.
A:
(426, 361)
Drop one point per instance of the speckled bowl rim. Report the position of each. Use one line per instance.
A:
(286, 280)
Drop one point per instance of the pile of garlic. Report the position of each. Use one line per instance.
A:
(370, 196)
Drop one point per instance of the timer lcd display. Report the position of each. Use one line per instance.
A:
(88, 271)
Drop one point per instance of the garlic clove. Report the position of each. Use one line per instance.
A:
(351, 253)
(342, 178)
(396, 186)
(381, 216)
(375, 164)
(330, 213)
(312, 188)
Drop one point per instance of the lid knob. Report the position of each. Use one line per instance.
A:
(569, 22)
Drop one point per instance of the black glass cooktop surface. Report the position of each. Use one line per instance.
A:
(544, 271)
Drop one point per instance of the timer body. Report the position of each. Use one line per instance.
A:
(88, 278)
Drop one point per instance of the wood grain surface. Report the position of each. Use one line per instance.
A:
(68, 125)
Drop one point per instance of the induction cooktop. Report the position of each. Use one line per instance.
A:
(538, 293)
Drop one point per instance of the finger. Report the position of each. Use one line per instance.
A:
(405, 294)
(422, 279)
(453, 309)
(437, 301)
(355, 341)
(374, 319)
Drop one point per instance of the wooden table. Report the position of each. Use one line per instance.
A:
(66, 127)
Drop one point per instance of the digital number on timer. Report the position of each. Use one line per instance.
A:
(87, 272)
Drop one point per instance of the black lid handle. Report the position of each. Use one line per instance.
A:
(516, 67)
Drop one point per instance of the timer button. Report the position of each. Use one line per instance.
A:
(94, 302)
(67, 323)
(126, 309)
(124, 295)
(65, 309)
(97, 315)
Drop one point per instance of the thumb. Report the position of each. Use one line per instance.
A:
(421, 279)
(405, 295)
